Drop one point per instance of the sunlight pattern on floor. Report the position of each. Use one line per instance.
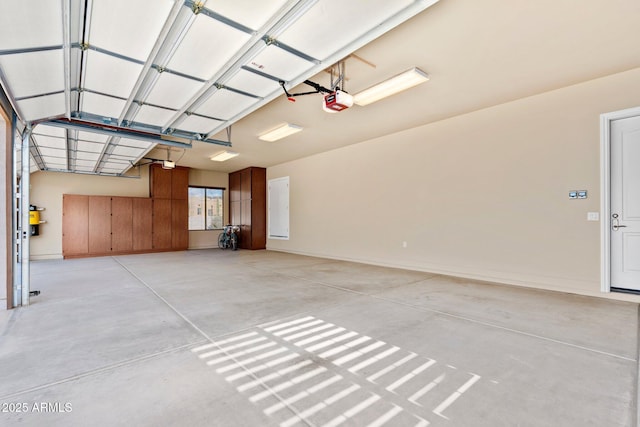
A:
(327, 375)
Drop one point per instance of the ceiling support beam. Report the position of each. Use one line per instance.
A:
(116, 131)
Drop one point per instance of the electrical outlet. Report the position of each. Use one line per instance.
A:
(593, 216)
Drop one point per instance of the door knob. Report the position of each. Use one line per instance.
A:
(615, 223)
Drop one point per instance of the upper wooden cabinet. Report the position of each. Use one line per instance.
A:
(180, 184)
(169, 183)
(248, 191)
(160, 185)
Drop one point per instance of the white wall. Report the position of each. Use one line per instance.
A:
(482, 195)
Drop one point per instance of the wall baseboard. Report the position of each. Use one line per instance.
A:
(547, 283)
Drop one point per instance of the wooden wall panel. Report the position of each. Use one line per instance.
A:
(142, 224)
(162, 224)
(121, 224)
(99, 224)
(179, 224)
(75, 225)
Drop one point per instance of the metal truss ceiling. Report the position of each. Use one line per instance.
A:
(172, 72)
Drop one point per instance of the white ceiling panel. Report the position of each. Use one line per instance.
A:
(199, 124)
(55, 163)
(87, 157)
(173, 91)
(42, 107)
(83, 168)
(49, 130)
(49, 141)
(111, 75)
(199, 55)
(135, 143)
(90, 136)
(113, 167)
(153, 115)
(128, 27)
(85, 149)
(224, 104)
(127, 151)
(332, 24)
(52, 152)
(101, 105)
(80, 163)
(34, 73)
(249, 13)
(43, 19)
(279, 63)
(252, 83)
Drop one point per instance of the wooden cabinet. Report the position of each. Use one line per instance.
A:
(169, 183)
(142, 224)
(75, 225)
(99, 224)
(170, 194)
(248, 200)
(180, 184)
(105, 225)
(160, 184)
(179, 224)
(121, 224)
(162, 224)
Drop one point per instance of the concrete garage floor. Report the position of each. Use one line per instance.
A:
(215, 338)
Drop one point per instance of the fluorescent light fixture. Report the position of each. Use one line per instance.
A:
(168, 164)
(406, 80)
(224, 155)
(280, 132)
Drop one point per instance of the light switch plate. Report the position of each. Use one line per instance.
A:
(582, 194)
(573, 194)
(593, 216)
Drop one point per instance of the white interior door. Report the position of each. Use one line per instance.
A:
(625, 203)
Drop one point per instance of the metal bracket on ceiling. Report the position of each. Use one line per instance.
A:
(197, 7)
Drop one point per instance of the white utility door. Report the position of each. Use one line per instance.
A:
(625, 203)
(278, 214)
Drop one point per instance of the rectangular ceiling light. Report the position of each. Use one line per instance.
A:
(224, 155)
(406, 80)
(280, 132)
